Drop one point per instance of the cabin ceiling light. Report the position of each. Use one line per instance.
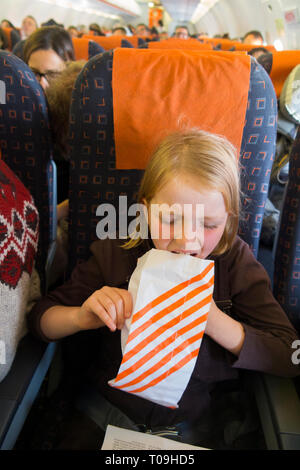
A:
(94, 7)
(201, 10)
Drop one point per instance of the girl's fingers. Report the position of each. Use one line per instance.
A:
(112, 306)
(127, 301)
(117, 303)
(106, 316)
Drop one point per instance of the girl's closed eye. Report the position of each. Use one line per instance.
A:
(210, 227)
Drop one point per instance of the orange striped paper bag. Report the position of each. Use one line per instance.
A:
(172, 295)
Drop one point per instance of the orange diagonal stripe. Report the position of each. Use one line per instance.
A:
(161, 346)
(165, 327)
(169, 309)
(167, 358)
(171, 292)
(173, 369)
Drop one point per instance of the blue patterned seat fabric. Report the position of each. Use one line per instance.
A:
(95, 180)
(94, 49)
(287, 258)
(25, 142)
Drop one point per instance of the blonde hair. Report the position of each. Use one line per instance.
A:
(211, 159)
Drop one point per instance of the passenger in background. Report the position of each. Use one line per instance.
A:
(29, 26)
(95, 28)
(7, 24)
(142, 30)
(253, 37)
(119, 31)
(154, 34)
(164, 35)
(181, 32)
(82, 29)
(47, 52)
(59, 95)
(258, 51)
(14, 34)
(131, 29)
(73, 31)
(3, 41)
(52, 22)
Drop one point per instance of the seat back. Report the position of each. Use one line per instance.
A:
(135, 41)
(110, 42)
(230, 45)
(175, 43)
(12, 37)
(84, 48)
(25, 143)
(279, 65)
(95, 177)
(287, 255)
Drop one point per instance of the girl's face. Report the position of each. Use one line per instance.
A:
(195, 225)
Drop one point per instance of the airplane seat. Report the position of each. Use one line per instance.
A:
(110, 42)
(287, 257)
(86, 48)
(177, 43)
(279, 64)
(288, 119)
(12, 37)
(282, 418)
(91, 138)
(25, 145)
(99, 175)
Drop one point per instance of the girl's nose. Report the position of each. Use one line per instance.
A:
(187, 246)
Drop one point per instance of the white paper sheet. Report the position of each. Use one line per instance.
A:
(124, 439)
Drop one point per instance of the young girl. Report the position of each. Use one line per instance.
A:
(246, 327)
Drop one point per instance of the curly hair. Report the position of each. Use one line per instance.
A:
(59, 95)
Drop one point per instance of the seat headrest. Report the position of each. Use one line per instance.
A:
(172, 89)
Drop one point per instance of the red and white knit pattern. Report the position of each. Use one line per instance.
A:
(18, 229)
(18, 246)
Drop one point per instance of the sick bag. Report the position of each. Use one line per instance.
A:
(161, 340)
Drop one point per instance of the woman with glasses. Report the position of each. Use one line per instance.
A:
(47, 51)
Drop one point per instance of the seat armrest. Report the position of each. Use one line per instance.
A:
(21, 385)
(279, 408)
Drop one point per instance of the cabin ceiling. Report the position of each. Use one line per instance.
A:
(181, 11)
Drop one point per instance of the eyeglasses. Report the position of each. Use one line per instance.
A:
(50, 75)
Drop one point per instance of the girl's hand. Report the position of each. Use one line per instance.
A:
(108, 306)
(224, 330)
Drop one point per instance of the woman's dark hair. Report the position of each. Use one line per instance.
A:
(3, 40)
(10, 25)
(50, 37)
(96, 29)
